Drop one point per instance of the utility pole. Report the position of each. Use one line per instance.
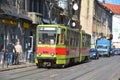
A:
(18, 4)
(49, 6)
(72, 8)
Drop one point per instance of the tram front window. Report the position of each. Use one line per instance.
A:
(47, 36)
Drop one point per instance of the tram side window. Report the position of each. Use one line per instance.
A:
(68, 38)
(40, 41)
(83, 40)
(76, 39)
(87, 41)
(71, 38)
(62, 36)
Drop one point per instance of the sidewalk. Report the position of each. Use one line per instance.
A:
(21, 65)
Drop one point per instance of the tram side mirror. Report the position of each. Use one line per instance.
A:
(59, 31)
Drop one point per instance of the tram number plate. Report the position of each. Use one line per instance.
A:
(47, 63)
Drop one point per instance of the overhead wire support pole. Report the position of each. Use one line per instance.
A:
(49, 6)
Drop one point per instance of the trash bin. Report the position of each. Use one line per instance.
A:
(31, 57)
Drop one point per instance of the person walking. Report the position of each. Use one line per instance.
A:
(10, 50)
(18, 53)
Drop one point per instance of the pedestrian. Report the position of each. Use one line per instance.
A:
(10, 50)
(18, 53)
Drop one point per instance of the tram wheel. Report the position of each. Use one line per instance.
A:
(39, 65)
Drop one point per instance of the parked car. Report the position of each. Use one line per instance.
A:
(112, 52)
(116, 51)
(94, 53)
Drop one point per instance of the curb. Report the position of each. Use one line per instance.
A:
(16, 67)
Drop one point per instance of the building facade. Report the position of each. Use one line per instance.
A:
(19, 18)
(14, 25)
(115, 23)
(96, 20)
(50, 12)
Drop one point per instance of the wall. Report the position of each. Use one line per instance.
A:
(95, 19)
(116, 31)
(84, 15)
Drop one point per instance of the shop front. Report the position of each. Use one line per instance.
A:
(7, 32)
(14, 27)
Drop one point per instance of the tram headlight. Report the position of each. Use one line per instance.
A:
(52, 54)
(40, 54)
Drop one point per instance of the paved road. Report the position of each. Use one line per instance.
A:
(103, 69)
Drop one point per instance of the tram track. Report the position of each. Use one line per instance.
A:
(97, 70)
(28, 73)
(36, 70)
(93, 70)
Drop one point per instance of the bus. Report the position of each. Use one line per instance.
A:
(58, 45)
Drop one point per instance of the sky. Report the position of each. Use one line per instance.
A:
(112, 1)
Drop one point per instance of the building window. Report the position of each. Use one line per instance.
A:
(14, 2)
(23, 4)
(30, 5)
(41, 5)
(3, 1)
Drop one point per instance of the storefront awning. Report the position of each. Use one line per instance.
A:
(9, 10)
(23, 16)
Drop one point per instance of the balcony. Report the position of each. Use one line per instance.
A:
(36, 17)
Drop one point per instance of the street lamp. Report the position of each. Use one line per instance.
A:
(74, 15)
(75, 6)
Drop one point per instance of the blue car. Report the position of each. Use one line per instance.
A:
(94, 53)
(117, 51)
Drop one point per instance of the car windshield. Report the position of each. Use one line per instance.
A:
(102, 47)
(92, 50)
(116, 50)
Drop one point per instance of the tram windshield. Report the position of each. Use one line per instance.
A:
(47, 35)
